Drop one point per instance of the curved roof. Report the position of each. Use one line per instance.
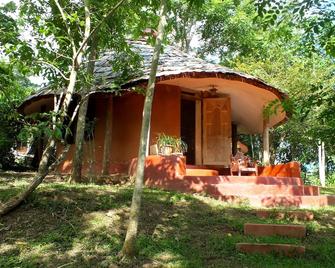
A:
(174, 63)
(184, 70)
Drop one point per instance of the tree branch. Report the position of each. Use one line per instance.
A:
(97, 27)
(61, 10)
(55, 68)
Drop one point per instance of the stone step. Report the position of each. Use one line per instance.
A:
(260, 189)
(279, 215)
(285, 249)
(288, 230)
(244, 179)
(271, 201)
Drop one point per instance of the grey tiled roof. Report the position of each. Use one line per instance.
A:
(172, 63)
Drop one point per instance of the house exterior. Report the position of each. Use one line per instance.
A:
(205, 104)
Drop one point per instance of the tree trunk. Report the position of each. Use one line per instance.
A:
(81, 123)
(42, 172)
(252, 147)
(79, 142)
(322, 164)
(266, 143)
(128, 249)
(108, 133)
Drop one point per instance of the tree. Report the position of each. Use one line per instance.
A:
(128, 249)
(52, 30)
(14, 87)
(316, 16)
(81, 123)
(317, 20)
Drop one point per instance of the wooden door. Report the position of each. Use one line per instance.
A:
(216, 131)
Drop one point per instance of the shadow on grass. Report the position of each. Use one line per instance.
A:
(85, 225)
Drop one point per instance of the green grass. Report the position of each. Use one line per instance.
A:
(64, 225)
(327, 190)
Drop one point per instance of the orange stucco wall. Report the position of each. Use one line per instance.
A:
(93, 150)
(291, 169)
(126, 126)
(127, 119)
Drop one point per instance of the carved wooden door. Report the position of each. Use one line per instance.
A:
(216, 131)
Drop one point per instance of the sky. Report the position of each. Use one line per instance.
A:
(2, 2)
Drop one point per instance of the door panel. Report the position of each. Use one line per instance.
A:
(216, 131)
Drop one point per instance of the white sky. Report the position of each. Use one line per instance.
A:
(2, 2)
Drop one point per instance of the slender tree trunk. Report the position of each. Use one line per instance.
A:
(79, 142)
(322, 164)
(42, 172)
(266, 143)
(81, 123)
(108, 133)
(128, 249)
(252, 147)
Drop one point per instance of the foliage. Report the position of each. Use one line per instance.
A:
(317, 17)
(287, 44)
(184, 15)
(177, 144)
(310, 84)
(227, 30)
(13, 89)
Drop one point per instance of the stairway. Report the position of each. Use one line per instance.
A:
(283, 230)
(257, 191)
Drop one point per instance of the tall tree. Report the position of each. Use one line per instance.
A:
(49, 32)
(81, 123)
(128, 249)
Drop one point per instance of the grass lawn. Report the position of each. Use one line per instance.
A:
(64, 225)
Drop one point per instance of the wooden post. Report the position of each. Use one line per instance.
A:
(198, 135)
(108, 138)
(266, 142)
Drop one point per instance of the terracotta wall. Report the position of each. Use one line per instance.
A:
(93, 150)
(127, 119)
(291, 169)
(126, 125)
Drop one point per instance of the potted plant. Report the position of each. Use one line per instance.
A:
(168, 145)
(180, 147)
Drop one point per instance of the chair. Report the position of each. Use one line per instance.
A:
(243, 165)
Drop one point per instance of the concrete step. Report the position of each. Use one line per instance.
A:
(285, 249)
(279, 215)
(244, 179)
(240, 189)
(201, 172)
(260, 189)
(288, 230)
(280, 201)
(263, 199)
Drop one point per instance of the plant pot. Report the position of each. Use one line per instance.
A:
(166, 150)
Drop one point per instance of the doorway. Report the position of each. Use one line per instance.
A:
(187, 128)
